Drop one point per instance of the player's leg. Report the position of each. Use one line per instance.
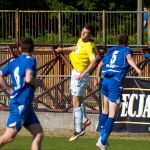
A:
(115, 91)
(77, 90)
(109, 122)
(77, 111)
(86, 122)
(76, 100)
(102, 120)
(14, 124)
(104, 115)
(33, 125)
(8, 136)
(38, 134)
(105, 105)
(84, 84)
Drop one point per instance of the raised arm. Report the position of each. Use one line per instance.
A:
(132, 63)
(71, 48)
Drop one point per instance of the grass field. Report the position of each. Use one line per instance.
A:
(62, 143)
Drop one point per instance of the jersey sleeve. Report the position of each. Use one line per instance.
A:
(31, 65)
(129, 51)
(6, 69)
(104, 59)
(92, 52)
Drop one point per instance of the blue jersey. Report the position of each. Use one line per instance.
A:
(16, 68)
(115, 62)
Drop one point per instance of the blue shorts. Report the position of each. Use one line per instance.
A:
(112, 89)
(21, 114)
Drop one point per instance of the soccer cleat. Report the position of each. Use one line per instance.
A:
(76, 135)
(86, 124)
(100, 145)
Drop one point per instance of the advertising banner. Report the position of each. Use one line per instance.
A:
(134, 111)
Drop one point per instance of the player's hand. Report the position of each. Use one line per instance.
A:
(140, 72)
(97, 81)
(10, 90)
(80, 76)
(41, 83)
(58, 49)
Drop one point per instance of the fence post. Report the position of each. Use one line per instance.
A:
(59, 28)
(17, 26)
(139, 23)
(61, 62)
(104, 27)
(148, 27)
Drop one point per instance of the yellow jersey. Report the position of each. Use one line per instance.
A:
(83, 54)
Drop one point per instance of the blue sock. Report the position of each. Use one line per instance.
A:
(107, 130)
(102, 120)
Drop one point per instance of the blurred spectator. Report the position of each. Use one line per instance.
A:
(145, 19)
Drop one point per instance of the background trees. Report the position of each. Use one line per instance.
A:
(71, 4)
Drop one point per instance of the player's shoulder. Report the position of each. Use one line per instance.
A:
(29, 57)
(12, 60)
(127, 48)
(112, 49)
(91, 43)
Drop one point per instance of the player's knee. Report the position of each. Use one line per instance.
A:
(39, 136)
(42, 135)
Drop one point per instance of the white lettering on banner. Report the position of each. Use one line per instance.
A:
(141, 105)
(124, 105)
(131, 112)
(128, 109)
(147, 108)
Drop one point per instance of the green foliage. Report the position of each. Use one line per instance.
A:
(70, 4)
(87, 4)
(133, 39)
(52, 38)
(69, 39)
(49, 38)
(56, 5)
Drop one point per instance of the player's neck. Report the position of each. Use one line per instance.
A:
(85, 40)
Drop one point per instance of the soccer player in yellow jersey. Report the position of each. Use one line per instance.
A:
(83, 58)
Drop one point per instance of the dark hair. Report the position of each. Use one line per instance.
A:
(122, 39)
(27, 45)
(90, 27)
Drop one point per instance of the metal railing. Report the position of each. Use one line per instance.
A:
(53, 27)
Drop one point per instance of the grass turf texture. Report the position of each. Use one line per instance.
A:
(56, 143)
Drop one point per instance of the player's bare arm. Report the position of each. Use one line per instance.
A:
(4, 84)
(71, 48)
(89, 68)
(98, 74)
(35, 82)
(132, 63)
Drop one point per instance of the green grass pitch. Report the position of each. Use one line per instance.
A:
(62, 143)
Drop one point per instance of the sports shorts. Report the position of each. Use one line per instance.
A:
(78, 87)
(112, 89)
(21, 114)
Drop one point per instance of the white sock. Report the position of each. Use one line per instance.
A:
(78, 119)
(84, 112)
